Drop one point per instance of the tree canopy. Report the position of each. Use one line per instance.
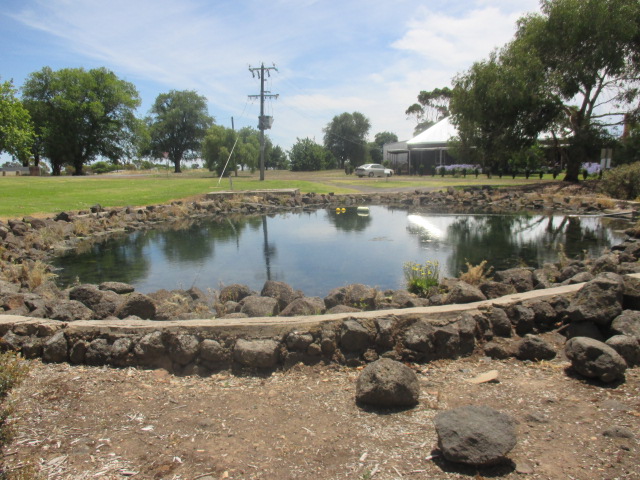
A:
(432, 106)
(80, 115)
(306, 155)
(572, 70)
(346, 138)
(220, 142)
(16, 128)
(178, 123)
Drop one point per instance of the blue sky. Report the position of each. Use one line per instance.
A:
(370, 56)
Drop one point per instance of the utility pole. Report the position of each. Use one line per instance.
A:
(264, 122)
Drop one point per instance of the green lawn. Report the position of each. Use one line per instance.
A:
(21, 196)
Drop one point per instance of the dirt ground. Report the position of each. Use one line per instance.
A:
(78, 422)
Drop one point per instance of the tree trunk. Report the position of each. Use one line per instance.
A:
(177, 166)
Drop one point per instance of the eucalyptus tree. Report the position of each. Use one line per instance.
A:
(345, 136)
(80, 115)
(178, 123)
(589, 51)
(431, 107)
(16, 128)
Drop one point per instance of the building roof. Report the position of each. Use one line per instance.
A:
(438, 135)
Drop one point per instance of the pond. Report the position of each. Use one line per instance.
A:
(316, 251)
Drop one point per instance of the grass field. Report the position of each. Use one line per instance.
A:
(21, 196)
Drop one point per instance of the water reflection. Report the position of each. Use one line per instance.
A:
(317, 251)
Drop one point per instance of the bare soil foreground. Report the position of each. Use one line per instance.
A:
(76, 422)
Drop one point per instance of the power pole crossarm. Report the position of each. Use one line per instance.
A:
(263, 122)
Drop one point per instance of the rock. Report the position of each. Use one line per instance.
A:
(98, 353)
(183, 349)
(387, 383)
(584, 329)
(631, 293)
(627, 323)
(598, 301)
(446, 342)
(594, 359)
(256, 306)
(117, 287)
(419, 337)
(605, 263)
(342, 309)
(256, 353)
(282, 292)
(299, 341)
(8, 287)
(520, 278)
(545, 315)
(213, 354)
(534, 348)
(356, 295)
(462, 292)
(103, 303)
(618, 432)
(522, 318)
(628, 348)
(120, 351)
(475, 435)
(304, 306)
(235, 293)
(151, 350)
(404, 299)
(70, 310)
(499, 350)
(354, 337)
(137, 304)
(580, 277)
(500, 323)
(55, 349)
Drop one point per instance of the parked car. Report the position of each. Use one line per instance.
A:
(388, 172)
(370, 170)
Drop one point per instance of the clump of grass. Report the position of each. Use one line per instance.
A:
(476, 274)
(422, 279)
(28, 274)
(81, 227)
(12, 371)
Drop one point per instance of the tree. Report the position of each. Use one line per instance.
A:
(432, 106)
(277, 159)
(80, 115)
(376, 147)
(217, 146)
(16, 129)
(589, 51)
(345, 137)
(306, 155)
(499, 107)
(178, 124)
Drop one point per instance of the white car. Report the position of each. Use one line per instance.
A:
(388, 172)
(371, 170)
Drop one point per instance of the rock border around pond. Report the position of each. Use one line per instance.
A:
(347, 335)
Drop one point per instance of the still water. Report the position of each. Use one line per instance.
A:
(317, 251)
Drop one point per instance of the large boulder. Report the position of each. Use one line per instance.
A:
(139, 305)
(356, 295)
(534, 348)
(598, 301)
(500, 323)
(257, 306)
(520, 278)
(627, 323)
(235, 293)
(70, 310)
(103, 303)
(493, 289)
(475, 435)
(304, 306)
(355, 337)
(462, 292)
(594, 359)
(628, 348)
(387, 383)
(256, 353)
(281, 291)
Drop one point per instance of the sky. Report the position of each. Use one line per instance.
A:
(332, 56)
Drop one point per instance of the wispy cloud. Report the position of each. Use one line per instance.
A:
(372, 56)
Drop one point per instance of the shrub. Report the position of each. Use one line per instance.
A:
(475, 275)
(622, 182)
(421, 279)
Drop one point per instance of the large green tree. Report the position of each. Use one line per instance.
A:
(589, 51)
(80, 115)
(16, 128)
(178, 123)
(222, 145)
(306, 156)
(346, 138)
(499, 107)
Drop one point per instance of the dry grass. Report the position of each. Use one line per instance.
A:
(28, 274)
(476, 274)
